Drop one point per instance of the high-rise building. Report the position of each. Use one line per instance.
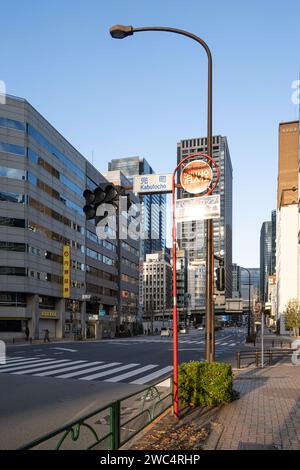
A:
(191, 235)
(265, 258)
(236, 281)
(128, 261)
(287, 219)
(153, 205)
(254, 284)
(50, 255)
(273, 258)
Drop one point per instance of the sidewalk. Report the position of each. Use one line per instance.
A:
(267, 414)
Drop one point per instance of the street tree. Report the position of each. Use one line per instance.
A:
(292, 316)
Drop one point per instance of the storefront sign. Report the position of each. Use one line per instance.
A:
(48, 314)
(66, 271)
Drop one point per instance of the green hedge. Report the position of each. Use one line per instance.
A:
(204, 383)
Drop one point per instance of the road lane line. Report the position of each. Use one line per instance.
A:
(67, 367)
(121, 377)
(109, 372)
(47, 367)
(154, 375)
(92, 369)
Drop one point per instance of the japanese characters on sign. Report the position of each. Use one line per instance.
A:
(158, 183)
(198, 208)
(196, 177)
(66, 271)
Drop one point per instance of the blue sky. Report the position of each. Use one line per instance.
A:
(140, 96)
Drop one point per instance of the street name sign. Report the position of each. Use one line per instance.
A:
(158, 183)
(198, 208)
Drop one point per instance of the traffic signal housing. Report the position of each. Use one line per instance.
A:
(220, 278)
(105, 193)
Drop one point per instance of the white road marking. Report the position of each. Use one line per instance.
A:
(32, 363)
(109, 372)
(48, 367)
(65, 349)
(39, 367)
(69, 367)
(154, 375)
(92, 369)
(21, 362)
(121, 377)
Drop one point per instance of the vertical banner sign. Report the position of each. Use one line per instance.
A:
(66, 271)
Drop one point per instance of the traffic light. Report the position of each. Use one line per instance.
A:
(220, 281)
(106, 193)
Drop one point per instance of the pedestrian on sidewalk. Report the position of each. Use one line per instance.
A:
(27, 333)
(46, 337)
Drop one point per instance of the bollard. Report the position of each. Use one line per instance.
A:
(270, 358)
(238, 360)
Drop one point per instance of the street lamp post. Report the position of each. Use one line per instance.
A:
(249, 307)
(120, 32)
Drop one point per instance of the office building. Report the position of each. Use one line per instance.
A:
(157, 283)
(153, 205)
(55, 272)
(287, 220)
(128, 255)
(265, 258)
(236, 281)
(192, 234)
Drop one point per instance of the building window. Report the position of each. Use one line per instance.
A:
(11, 222)
(12, 271)
(10, 148)
(12, 197)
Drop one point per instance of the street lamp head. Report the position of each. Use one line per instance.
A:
(120, 31)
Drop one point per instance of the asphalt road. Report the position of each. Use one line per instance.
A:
(43, 386)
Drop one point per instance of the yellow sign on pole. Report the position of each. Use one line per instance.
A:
(66, 271)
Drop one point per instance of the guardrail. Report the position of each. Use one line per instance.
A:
(112, 426)
(256, 355)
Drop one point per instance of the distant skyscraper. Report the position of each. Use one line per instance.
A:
(236, 280)
(273, 258)
(153, 207)
(192, 234)
(255, 282)
(265, 258)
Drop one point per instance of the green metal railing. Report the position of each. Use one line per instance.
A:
(83, 433)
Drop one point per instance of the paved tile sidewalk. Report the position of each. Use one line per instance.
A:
(267, 414)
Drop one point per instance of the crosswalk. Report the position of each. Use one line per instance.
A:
(229, 343)
(114, 372)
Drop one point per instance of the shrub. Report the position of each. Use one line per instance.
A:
(204, 383)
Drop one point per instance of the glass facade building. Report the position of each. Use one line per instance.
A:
(42, 179)
(265, 258)
(192, 234)
(153, 205)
